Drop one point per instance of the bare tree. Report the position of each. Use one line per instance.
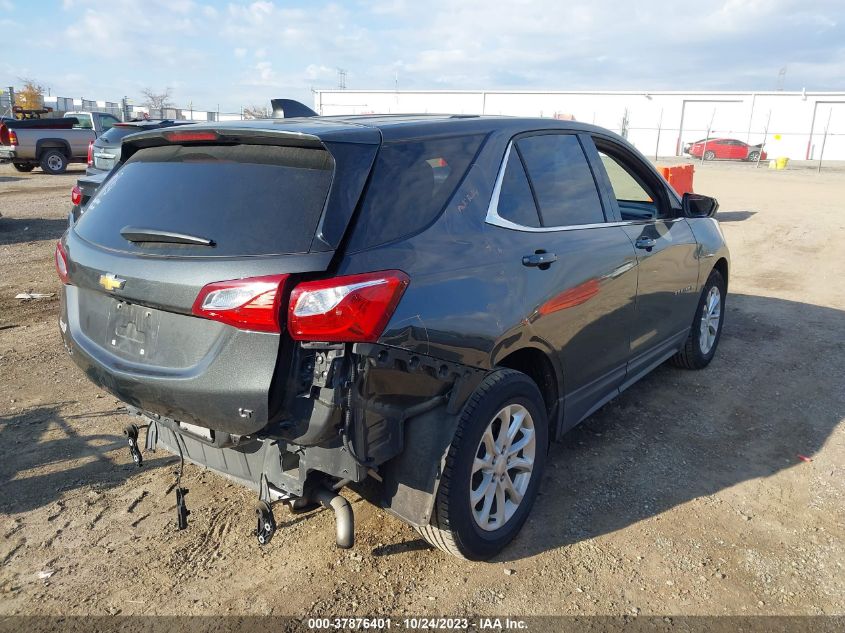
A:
(157, 100)
(257, 112)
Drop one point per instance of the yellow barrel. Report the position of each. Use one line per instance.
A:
(781, 162)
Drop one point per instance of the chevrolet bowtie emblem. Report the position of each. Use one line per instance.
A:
(112, 282)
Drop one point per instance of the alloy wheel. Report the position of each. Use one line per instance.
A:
(502, 468)
(711, 316)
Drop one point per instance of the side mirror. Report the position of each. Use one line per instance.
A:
(698, 206)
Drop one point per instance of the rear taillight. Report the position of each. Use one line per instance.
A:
(76, 195)
(249, 304)
(4, 135)
(354, 308)
(90, 154)
(61, 263)
(13, 138)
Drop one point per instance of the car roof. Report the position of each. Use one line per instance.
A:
(397, 126)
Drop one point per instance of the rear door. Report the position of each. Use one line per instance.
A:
(666, 250)
(175, 218)
(577, 269)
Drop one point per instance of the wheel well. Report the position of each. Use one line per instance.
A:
(536, 364)
(722, 267)
(46, 145)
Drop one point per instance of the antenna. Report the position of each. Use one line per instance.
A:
(341, 79)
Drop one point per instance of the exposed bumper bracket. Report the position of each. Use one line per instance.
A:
(131, 433)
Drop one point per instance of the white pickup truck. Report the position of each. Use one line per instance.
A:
(52, 143)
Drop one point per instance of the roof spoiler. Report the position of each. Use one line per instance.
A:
(289, 108)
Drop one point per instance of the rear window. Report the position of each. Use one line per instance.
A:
(410, 184)
(115, 134)
(248, 199)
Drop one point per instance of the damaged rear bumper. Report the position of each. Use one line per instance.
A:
(376, 411)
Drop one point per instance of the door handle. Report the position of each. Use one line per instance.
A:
(539, 259)
(646, 242)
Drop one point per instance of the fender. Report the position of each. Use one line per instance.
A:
(44, 144)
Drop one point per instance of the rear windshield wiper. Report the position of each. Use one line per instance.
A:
(141, 235)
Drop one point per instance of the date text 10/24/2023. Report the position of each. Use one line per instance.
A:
(417, 624)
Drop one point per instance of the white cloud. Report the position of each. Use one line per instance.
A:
(242, 50)
(266, 74)
(314, 72)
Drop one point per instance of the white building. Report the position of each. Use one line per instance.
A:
(792, 124)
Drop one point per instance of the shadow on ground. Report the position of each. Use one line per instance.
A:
(734, 216)
(19, 230)
(773, 392)
(45, 454)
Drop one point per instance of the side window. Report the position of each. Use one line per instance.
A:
(106, 122)
(637, 199)
(626, 188)
(84, 122)
(516, 202)
(560, 176)
(410, 184)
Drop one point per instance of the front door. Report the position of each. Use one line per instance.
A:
(667, 283)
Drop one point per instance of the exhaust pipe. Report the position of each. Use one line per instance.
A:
(344, 519)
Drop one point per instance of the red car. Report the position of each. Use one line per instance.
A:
(725, 148)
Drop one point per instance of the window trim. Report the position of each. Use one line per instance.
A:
(495, 219)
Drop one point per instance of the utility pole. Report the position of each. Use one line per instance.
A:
(659, 127)
(824, 139)
(781, 78)
(341, 79)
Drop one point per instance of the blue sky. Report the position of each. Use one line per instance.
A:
(241, 52)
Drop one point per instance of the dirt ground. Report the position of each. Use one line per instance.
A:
(686, 495)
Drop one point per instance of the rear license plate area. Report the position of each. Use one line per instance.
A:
(132, 331)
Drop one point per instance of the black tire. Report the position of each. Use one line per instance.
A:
(53, 162)
(753, 156)
(452, 527)
(692, 354)
(23, 167)
(709, 155)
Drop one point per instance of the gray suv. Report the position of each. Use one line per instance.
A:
(422, 303)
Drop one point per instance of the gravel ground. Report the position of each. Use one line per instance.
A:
(694, 493)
